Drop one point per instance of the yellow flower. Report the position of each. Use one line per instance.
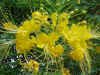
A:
(23, 41)
(31, 26)
(56, 51)
(24, 44)
(48, 43)
(39, 18)
(65, 71)
(36, 66)
(54, 20)
(32, 65)
(53, 36)
(63, 18)
(9, 26)
(77, 35)
(44, 39)
(44, 19)
(77, 54)
(36, 15)
(62, 24)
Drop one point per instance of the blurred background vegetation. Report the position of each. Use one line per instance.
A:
(18, 11)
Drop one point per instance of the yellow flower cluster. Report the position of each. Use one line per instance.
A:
(31, 66)
(48, 43)
(76, 36)
(23, 40)
(25, 43)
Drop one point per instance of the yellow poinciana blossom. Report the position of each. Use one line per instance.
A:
(54, 20)
(23, 41)
(77, 34)
(56, 51)
(77, 55)
(44, 39)
(36, 15)
(31, 26)
(63, 18)
(40, 18)
(31, 66)
(45, 19)
(62, 22)
(65, 71)
(9, 26)
(48, 43)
